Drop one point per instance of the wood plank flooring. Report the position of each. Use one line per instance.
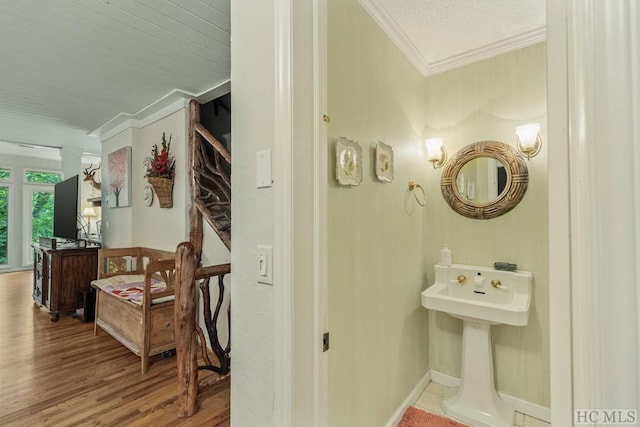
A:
(60, 374)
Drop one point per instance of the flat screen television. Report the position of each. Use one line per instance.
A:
(65, 209)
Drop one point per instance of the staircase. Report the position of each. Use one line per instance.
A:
(210, 179)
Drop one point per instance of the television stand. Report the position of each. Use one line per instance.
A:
(61, 275)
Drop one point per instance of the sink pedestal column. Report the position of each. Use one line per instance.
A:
(476, 401)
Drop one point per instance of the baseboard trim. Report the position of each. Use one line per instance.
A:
(528, 408)
(410, 400)
(15, 269)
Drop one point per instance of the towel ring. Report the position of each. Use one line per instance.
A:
(412, 187)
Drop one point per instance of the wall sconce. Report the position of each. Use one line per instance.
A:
(436, 153)
(529, 141)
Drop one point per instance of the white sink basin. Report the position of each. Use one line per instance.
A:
(467, 292)
(477, 298)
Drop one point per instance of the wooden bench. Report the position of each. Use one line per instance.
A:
(135, 299)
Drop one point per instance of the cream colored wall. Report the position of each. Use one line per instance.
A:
(153, 226)
(376, 259)
(117, 223)
(486, 101)
(156, 227)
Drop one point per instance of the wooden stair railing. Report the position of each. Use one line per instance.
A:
(210, 177)
(186, 326)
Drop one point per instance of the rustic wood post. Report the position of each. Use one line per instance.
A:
(185, 325)
(195, 235)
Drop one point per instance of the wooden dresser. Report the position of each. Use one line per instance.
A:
(61, 276)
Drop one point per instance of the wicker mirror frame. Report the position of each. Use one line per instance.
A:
(515, 188)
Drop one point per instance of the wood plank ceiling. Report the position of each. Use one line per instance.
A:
(69, 66)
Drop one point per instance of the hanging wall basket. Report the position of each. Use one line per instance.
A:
(164, 190)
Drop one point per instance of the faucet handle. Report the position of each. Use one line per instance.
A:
(496, 283)
(462, 279)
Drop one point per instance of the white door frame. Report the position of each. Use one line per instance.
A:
(289, 203)
(321, 171)
(594, 95)
(561, 376)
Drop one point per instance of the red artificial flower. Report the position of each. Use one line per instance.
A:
(161, 163)
(159, 166)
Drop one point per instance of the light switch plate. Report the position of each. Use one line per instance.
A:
(263, 169)
(264, 265)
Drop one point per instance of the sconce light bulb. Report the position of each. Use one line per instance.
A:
(436, 153)
(529, 141)
(528, 135)
(434, 149)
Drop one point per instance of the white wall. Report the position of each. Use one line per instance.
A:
(376, 231)
(252, 324)
(153, 226)
(276, 344)
(486, 101)
(149, 226)
(117, 223)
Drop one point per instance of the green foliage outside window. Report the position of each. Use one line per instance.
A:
(36, 177)
(4, 222)
(42, 204)
(42, 215)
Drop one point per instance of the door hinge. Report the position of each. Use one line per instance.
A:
(325, 342)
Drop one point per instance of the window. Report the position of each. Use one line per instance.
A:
(40, 177)
(5, 178)
(38, 198)
(41, 213)
(4, 224)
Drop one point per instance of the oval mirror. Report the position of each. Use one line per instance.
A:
(484, 180)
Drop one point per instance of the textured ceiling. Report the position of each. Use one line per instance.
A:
(69, 66)
(437, 35)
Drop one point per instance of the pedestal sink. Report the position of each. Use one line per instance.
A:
(481, 297)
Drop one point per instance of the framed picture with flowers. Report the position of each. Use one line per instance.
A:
(348, 162)
(384, 162)
(119, 178)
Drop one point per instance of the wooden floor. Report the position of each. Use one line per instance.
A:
(59, 374)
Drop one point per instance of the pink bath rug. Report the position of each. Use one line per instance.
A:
(414, 417)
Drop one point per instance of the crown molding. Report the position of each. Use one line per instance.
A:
(397, 35)
(168, 104)
(489, 51)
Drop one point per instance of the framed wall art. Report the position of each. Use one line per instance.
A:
(119, 178)
(348, 162)
(384, 162)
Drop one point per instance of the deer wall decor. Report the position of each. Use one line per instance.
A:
(90, 175)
